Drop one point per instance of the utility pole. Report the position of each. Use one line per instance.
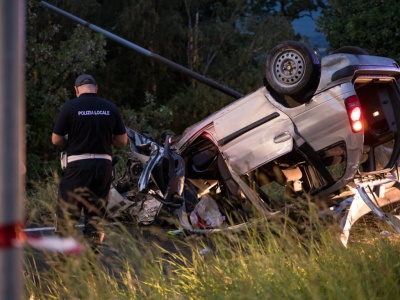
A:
(12, 102)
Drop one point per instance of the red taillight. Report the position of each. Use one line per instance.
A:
(354, 112)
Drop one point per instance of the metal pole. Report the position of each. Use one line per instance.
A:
(12, 93)
(145, 52)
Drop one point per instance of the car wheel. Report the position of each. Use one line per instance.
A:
(293, 69)
(351, 50)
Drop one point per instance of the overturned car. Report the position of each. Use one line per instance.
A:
(324, 129)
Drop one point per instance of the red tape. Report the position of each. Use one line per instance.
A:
(11, 233)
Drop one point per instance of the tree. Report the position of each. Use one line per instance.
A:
(295, 9)
(373, 25)
(154, 25)
(53, 59)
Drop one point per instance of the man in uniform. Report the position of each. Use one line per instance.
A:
(87, 127)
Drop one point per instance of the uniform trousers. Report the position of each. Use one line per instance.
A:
(84, 187)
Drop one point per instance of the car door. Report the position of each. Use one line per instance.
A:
(253, 132)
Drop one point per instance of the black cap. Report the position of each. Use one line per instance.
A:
(85, 79)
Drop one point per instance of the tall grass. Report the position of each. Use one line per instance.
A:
(279, 259)
(40, 201)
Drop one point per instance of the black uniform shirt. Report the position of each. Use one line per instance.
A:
(90, 122)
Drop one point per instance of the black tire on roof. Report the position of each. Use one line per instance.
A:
(293, 69)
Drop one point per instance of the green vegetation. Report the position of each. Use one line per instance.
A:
(296, 257)
(359, 23)
(272, 261)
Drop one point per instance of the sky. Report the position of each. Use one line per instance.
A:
(306, 26)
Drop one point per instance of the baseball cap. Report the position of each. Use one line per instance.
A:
(85, 79)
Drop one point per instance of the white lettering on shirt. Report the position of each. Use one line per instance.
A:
(93, 113)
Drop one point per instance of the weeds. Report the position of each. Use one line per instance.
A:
(294, 257)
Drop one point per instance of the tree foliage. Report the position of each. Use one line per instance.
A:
(53, 59)
(373, 25)
(299, 8)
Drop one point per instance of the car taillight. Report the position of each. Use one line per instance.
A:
(354, 112)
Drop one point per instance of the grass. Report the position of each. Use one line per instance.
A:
(276, 260)
(40, 201)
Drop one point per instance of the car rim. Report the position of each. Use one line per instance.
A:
(289, 67)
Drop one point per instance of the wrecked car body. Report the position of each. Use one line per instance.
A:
(319, 129)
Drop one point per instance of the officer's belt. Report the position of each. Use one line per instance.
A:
(88, 156)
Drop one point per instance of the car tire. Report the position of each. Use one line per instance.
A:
(293, 69)
(351, 50)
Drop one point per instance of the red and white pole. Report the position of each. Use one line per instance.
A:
(12, 149)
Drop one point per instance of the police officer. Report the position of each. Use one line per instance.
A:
(87, 127)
